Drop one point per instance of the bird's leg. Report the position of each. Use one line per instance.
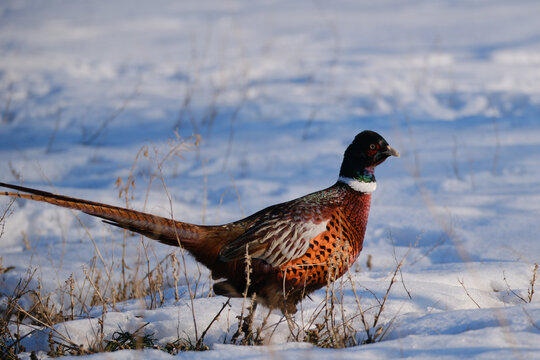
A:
(290, 322)
(258, 339)
(288, 309)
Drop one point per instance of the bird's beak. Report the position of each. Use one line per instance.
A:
(390, 151)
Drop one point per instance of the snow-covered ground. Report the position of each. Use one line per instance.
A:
(277, 90)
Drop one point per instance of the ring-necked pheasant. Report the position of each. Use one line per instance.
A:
(294, 248)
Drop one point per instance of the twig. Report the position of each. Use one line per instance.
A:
(400, 263)
(7, 212)
(392, 281)
(512, 291)
(93, 137)
(531, 320)
(19, 308)
(182, 252)
(233, 118)
(241, 319)
(467, 292)
(201, 339)
(530, 291)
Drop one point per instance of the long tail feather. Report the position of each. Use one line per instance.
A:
(167, 231)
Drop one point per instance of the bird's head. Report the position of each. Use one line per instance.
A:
(367, 150)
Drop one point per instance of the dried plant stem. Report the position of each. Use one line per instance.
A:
(97, 133)
(530, 291)
(59, 334)
(200, 341)
(244, 323)
(467, 292)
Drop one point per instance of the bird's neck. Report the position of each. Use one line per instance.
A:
(362, 180)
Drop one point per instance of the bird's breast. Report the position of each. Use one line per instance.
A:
(331, 252)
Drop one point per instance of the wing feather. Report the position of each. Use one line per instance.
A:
(283, 232)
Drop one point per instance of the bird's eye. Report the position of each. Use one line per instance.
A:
(372, 147)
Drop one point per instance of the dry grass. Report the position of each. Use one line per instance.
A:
(99, 287)
(328, 326)
(530, 290)
(331, 326)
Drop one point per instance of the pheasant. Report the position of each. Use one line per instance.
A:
(293, 248)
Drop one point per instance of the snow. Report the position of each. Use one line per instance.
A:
(277, 90)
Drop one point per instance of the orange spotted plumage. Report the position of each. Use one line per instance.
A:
(331, 252)
(294, 248)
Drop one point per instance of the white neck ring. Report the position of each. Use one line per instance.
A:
(360, 186)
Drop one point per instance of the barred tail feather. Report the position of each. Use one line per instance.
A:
(165, 230)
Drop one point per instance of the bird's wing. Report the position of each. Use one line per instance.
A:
(155, 227)
(283, 232)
